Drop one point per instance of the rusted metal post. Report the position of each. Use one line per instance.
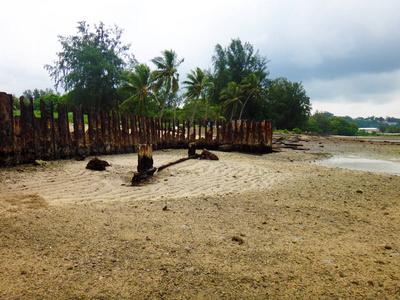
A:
(200, 122)
(235, 132)
(217, 131)
(173, 132)
(28, 132)
(269, 133)
(188, 131)
(183, 131)
(153, 131)
(79, 132)
(125, 134)
(64, 132)
(178, 137)
(46, 148)
(211, 137)
(6, 130)
(53, 130)
(169, 131)
(92, 131)
(241, 132)
(229, 135)
(148, 130)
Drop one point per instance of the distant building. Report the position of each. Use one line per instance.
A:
(369, 129)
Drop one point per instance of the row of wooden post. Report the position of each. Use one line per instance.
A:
(26, 138)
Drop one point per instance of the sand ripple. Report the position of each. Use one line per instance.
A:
(70, 181)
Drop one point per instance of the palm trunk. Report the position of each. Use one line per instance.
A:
(241, 111)
(194, 111)
(233, 109)
(163, 106)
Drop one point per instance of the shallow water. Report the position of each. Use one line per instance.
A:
(388, 140)
(362, 164)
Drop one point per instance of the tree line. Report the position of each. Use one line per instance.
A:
(95, 68)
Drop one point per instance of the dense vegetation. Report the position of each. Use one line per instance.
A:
(327, 123)
(95, 69)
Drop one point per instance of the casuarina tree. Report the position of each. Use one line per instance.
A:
(90, 65)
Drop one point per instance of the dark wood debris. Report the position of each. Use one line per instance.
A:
(97, 164)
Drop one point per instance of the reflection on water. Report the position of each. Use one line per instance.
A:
(362, 164)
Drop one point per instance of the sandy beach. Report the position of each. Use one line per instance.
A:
(273, 226)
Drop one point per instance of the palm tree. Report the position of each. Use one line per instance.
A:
(232, 96)
(251, 87)
(217, 111)
(198, 82)
(140, 84)
(166, 74)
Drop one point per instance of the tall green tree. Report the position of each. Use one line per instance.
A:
(319, 123)
(252, 90)
(232, 97)
(139, 86)
(236, 62)
(288, 104)
(341, 126)
(90, 65)
(196, 85)
(167, 74)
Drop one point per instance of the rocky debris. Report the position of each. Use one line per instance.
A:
(225, 148)
(41, 163)
(237, 239)
(97, 164)
(292, 142)
(208, 155)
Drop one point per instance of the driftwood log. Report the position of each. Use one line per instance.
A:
(145, 161)
(293, 143)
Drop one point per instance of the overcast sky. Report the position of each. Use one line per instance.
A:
(345, 52)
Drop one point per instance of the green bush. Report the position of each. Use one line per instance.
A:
(297, 130)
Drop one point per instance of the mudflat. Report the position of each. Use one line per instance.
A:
(247, 226)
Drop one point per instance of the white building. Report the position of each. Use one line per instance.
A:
(369, 129)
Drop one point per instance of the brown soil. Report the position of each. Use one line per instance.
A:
(274, 226)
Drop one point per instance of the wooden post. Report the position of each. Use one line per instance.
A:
(145, 158)
(145, 164)
(192, 149)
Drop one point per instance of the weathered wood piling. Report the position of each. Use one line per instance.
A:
(50, 136)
